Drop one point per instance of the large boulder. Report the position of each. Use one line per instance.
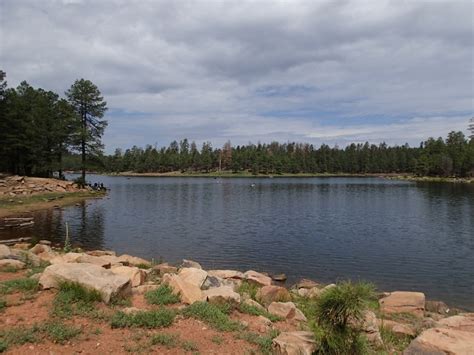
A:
(191, 263)
(11, 264)
(286, 310)
(268, 294)
(257, 278)
(4, 251)
(404, 302)
(133, 260)
(399, 329)
(222, 295)
(305, 283)
(165, 268)
(102, 261)
(136, 275)
(227, 274)
(189, 293)
(294, 343)
(462, 321)
(368, 325)
(90, 276)
(193, 276)
(44, 252)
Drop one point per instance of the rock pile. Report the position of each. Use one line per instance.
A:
(22, 185)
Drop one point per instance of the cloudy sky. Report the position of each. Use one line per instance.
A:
(247, 71)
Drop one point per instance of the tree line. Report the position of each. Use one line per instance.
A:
(38, 127)
(42, 134)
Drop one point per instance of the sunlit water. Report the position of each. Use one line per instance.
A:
(399, 235)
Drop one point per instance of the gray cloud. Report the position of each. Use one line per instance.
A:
(253, 70)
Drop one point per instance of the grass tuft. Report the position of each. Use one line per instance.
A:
(263, 342)
(188, 345)
(255, 311)
(162, 295)
(145, 319)
(213, 315)
(167, 340)
(60, 333)
(74, 299)
(25, 285)
(249, 288)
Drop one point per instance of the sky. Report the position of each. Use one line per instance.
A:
(311, 71)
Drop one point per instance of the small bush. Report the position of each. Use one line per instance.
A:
(143, 266)
(59, 332)
(212, 315)
(146, 319)
(26, 285)
(255, 311)
(167, 340)
(162, 295)
(249, 288)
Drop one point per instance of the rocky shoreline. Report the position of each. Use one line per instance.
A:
(259, 304)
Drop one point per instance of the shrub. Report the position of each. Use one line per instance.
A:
(213, 315)
(162, 295)
(146, 319)
(335, 309)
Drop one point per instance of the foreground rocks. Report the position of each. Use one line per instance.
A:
(22, 185)
(404, 302)
(91, 276)
(294, 343)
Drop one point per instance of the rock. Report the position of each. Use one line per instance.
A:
(36, 276)
(140, 290)
(269, 294)
(22, 246)
(328, 287)
(398, 329)
(368, 325)
(136, 276)
(28, 258)
(189, 263)
(286, 310)
(222, 295)
(101, 252)
(44, 242)
(164, 268)
(193, 276)
(303, 292)
(305, 283)
(189, 293)
(436, 307)
(314, 292)
(40, 248)
(404, 302)
(91, 276)
(214, 281)
(462, 321)
(11, 264)
(441, 341)
(257, 278)
(131, 310)
(294, 343)
(227, 274)
(252, 303)
(279, 277)
(4, 251)
(263, 324)
(133, 260)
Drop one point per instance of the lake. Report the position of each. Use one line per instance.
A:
(399, 235)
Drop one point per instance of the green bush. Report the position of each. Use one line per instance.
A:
(145, 319)
(162, 295)
(213, 315)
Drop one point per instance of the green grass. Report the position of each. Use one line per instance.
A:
(143, 266)
(60, 333)
(145, 319)
(392, 340)
(37, 269)
(162, 295)
(248, 288)
(167, 340)
(255, 311)
(3, 305)
(9, 268)
(211, 314)
(74, 299)
(18, 336)
(264, 342)
(188, 345)
(217, 339)
(25, 285)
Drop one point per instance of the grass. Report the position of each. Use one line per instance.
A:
(60, 333)
(143, 266)
(144, 319)
(162, 295)
(248, 288)
(255, 311)
(213, 315)
(217, 339)
(264, 342)
(167, 340)
(74, 299)
(392, 340)
(37, 269)
(188, 345)
(25, 285)
(9, 268)
(3, 305)
(18, 336)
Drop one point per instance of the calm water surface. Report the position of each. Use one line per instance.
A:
(399, 235)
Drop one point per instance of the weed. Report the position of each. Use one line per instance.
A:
(97, 331)
(59, 332)
(167, 340)
(189, 345)
(162, 295)
(146, 319)
(249, 288)
(212, 315)
(255, 311)
(25, 285)
(143, 266)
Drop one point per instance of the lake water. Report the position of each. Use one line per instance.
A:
(399, 235)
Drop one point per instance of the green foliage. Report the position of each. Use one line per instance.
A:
(255, 311)
(247, 287)
(188, 345)
(17, 336)
(263, 342)
(167, 340)
(59, 332)
(162, 295)
(335, 309)
(394, 341)
(145, 319)
(3, 305)
(216, 339)
(25, 285)
(74, 299)
(213, 315)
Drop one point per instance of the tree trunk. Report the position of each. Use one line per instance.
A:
(83, 147)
